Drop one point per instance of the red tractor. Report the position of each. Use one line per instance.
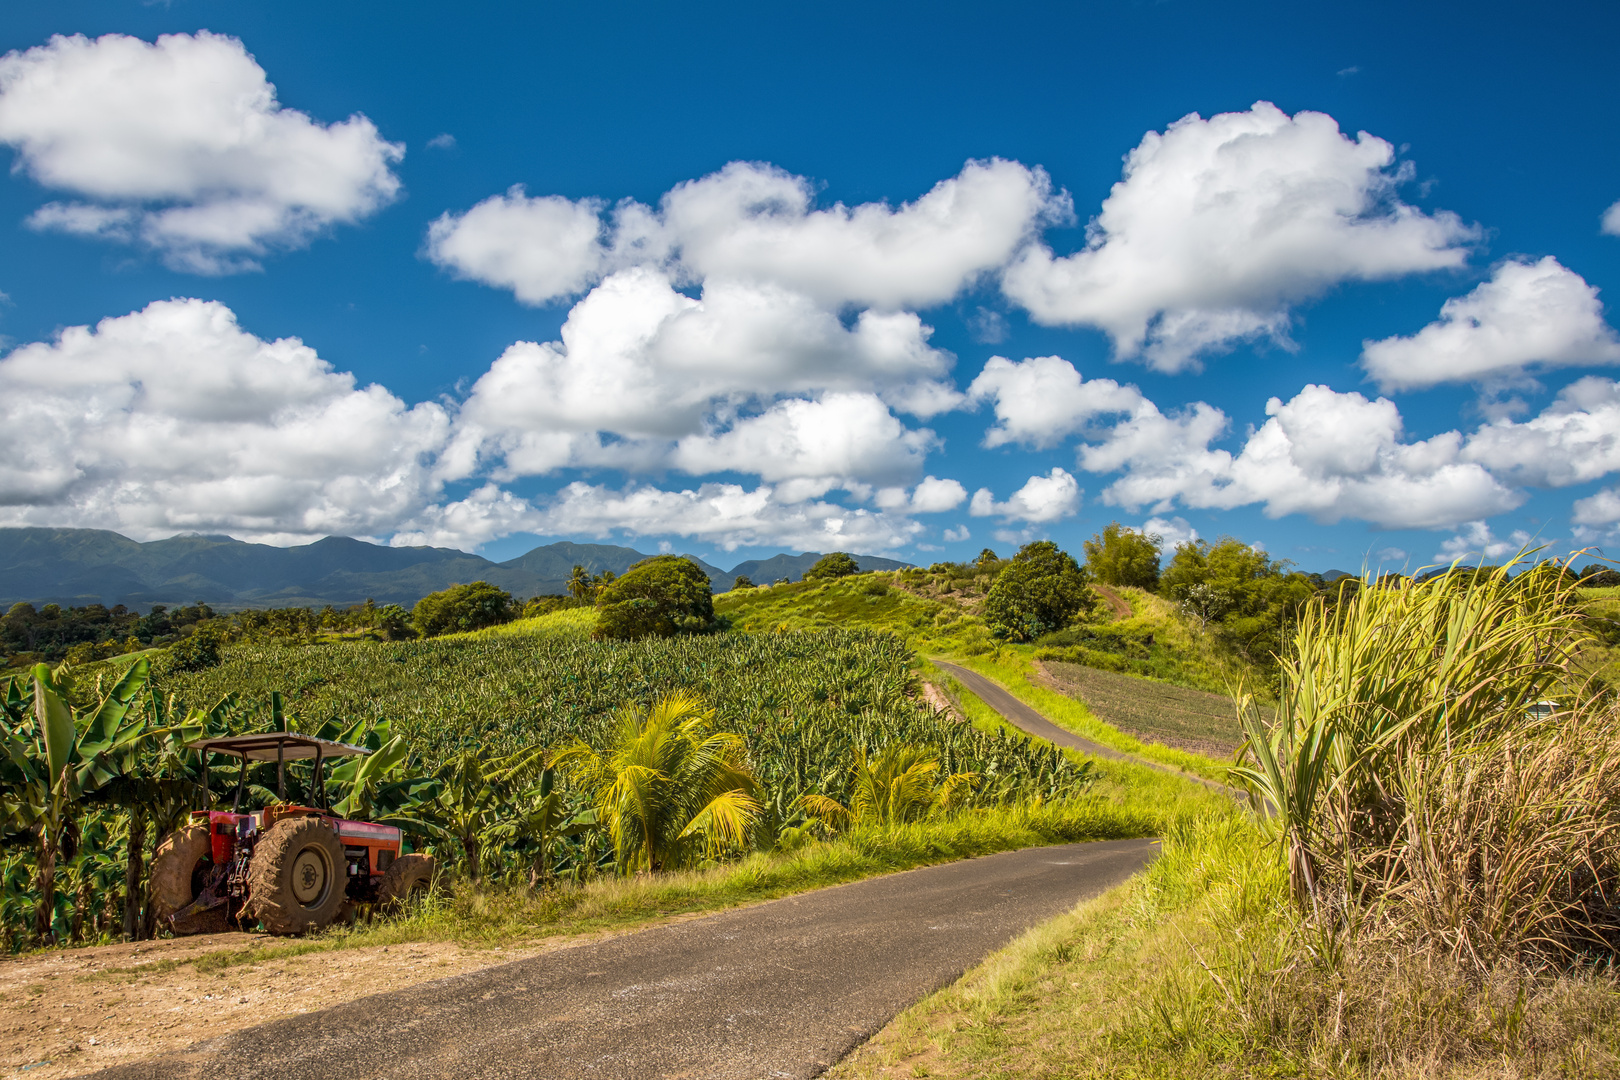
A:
(293, 868)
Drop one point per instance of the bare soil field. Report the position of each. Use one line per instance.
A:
(1158, 712)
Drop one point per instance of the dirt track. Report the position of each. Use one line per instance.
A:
(782, 989)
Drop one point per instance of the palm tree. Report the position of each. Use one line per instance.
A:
(892, 789)
(580, 583)
(667, 785)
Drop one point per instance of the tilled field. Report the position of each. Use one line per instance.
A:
(1158, 712)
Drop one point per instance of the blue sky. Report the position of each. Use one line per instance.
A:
(780, 355)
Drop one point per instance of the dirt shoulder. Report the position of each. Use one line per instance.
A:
(72, 1011)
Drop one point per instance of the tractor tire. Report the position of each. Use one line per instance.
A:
(177, 865)
(297, 880)
(409, 877)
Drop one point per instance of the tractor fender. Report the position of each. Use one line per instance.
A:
(174, 866)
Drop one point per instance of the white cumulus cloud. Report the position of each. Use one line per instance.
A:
(1042, 499)
(1573, 440)
(1219, 225)
(1527, 314)
(180, 145)
(174, 419)
(755, 223)
(1323, 453)
(727, 515)
(819, 445)
(1041, 400)
(642, 361)
(1475, 540)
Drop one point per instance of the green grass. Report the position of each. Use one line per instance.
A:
(1170, 799)
(577, 622)
(871, 600)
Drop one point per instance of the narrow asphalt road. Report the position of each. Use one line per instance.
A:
(1030, 722)
(782, 989)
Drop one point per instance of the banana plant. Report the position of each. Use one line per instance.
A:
(540, 818)
(56, 755)
(473, 799)
(381, 786)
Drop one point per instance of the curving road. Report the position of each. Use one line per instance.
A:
(782, 989)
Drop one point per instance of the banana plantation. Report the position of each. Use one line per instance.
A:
(516, 762)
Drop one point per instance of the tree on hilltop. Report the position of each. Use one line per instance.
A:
(1123, 557)
(1041, 590)
(836, 565)
(460, 608)
(658, 597)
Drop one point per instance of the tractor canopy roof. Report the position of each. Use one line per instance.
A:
(276, 745)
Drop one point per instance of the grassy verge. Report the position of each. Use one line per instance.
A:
(1191, 720)
(493, 915)
(1195, 969)
(1011, 667)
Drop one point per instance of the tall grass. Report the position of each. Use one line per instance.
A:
(1439, 773)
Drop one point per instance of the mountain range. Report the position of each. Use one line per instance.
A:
(74, 567)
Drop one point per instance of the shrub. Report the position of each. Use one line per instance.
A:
(836, 565)
(461, 607)
(658, 597)
(1120, 556)
(1040, 591)
(743, 582)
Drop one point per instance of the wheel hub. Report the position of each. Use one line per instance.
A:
(309, 876)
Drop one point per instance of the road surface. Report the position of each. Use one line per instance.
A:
(782, 989)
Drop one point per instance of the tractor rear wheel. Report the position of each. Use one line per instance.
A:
(407, 878)
(298, 879)
(178, 867)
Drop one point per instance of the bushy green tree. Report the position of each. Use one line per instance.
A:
(743, 582)
(1123, 557)
(658, 597)
(1598, 576)
(1250, 597)
(1041, 590)
(835, 565)
(197, 651)
(461, 607)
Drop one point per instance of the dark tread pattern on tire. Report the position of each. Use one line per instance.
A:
(407, 874)
(173, 863)
(270, 872)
